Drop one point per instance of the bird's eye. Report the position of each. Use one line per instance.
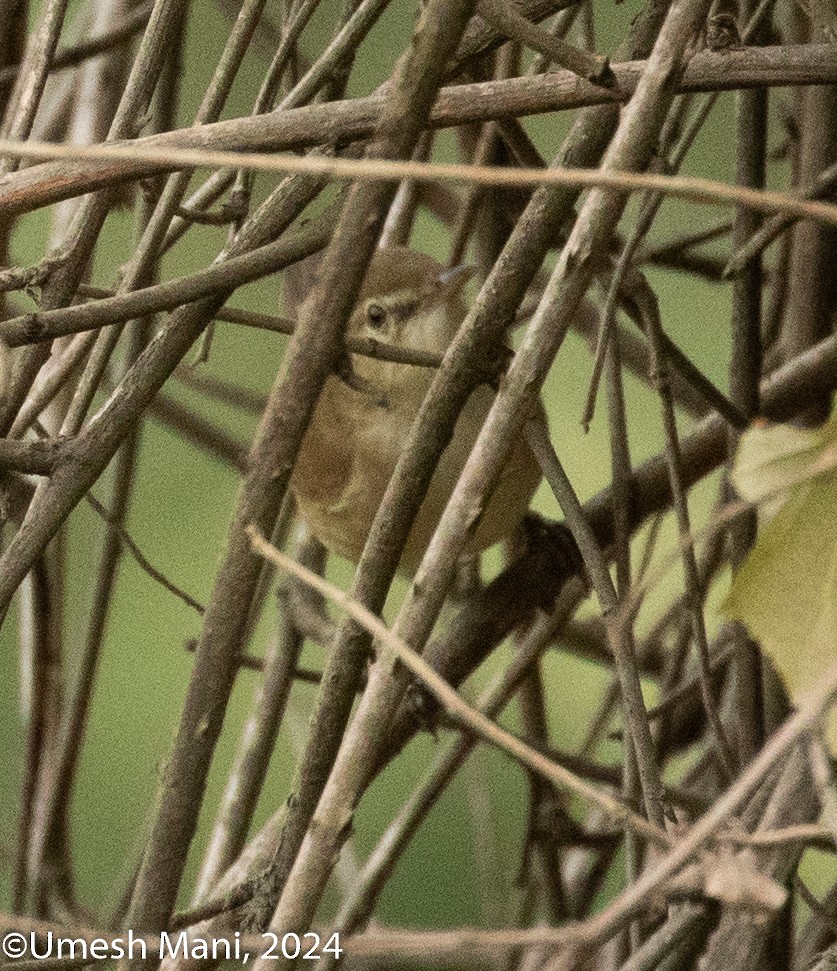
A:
(376, 315)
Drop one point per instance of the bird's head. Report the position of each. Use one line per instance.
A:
(408, 300)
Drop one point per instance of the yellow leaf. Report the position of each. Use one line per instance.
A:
(770, 459)
(786, 590)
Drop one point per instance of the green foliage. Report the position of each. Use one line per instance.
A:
(786, 590)
(773, 458)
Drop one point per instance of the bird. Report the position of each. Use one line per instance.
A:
(362, 418)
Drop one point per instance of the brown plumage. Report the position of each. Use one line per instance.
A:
(360, 426)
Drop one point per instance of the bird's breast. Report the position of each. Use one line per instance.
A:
(350, 452)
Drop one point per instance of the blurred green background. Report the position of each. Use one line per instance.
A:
(462, 867)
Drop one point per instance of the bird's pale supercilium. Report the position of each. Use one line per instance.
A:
(362, 419)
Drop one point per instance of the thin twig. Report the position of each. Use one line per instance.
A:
(144, 563)
(458, 709)
(695, 189)
(65, 57)
(646, 301)
(633, 705)
(507, 19)
(773, 228)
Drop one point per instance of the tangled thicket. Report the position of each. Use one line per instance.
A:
(703, 853)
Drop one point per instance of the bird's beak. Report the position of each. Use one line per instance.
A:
(455, 278)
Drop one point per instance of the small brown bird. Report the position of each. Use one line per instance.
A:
(362, 419)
